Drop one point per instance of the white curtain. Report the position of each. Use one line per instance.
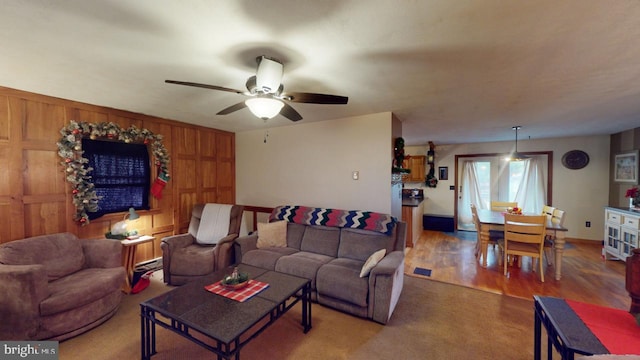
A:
(470, 194)
(531, 192)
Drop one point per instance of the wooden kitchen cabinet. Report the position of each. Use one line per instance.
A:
(416, 163)
(412, 215)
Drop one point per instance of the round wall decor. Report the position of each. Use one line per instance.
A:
(575, 159)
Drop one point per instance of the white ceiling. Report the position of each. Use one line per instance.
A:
(452, 71)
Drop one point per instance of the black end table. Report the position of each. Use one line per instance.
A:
(565, 330)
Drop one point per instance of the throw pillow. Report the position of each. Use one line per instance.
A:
(272, 234)
(372, 261)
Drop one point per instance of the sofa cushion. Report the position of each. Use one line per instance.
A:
(272, 234)
(266, 258)
(322, 240)
(372, 261)
(65, 325)
(360, 244)
(303, 264)
(81, 288)
(294, 234)
(341, 279)
(193, 260)
(61, 254)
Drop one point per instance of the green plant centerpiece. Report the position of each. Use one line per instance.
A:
(236, 280)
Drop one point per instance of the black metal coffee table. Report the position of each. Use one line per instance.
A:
(229, 324)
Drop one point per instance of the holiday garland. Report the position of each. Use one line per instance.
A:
(431, 180)
(85, 198)
(399, 156)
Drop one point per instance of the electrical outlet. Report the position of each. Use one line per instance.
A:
(588, 224)
(355, 175)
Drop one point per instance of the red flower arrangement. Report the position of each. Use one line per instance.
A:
(634, 194)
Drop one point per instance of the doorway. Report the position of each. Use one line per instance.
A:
(482, 178)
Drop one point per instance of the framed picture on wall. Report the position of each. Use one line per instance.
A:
(443, 172)
(625, 168)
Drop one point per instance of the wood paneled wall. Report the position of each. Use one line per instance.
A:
(35, 198)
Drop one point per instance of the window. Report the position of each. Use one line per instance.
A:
(516, 175)
(121, 175)
(483, 171)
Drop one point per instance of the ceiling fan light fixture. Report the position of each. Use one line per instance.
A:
(516, 156)
(263, 107)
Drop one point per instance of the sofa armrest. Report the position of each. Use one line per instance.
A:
(100, 253)
(23, 289)
(245, 244)
(177, 241)
(225, 252)
(385, 286)
(227, 239)
(389, 264)
(169, 245)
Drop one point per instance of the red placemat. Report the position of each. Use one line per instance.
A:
(241, 295)
(616, 329)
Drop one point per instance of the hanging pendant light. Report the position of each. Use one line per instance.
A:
(516, 156)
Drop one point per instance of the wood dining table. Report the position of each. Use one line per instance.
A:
(494, 220)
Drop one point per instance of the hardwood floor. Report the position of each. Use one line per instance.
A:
(586, 277)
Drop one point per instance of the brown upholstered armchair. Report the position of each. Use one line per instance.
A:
(188, 256)
(57, 286)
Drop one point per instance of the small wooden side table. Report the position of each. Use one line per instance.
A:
(129, 258)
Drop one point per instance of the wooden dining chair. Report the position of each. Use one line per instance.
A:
(494, 236)
(524, 236)
(557, 217)
(503, 205)
(548, 211)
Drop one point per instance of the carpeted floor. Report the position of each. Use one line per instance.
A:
(432, 320)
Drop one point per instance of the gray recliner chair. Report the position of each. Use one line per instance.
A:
(185, 258)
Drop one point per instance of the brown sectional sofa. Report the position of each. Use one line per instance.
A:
(332, 258)
(57, 286)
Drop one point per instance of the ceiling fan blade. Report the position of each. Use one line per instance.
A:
(313, 98)
(205, 86)
(290, 113)
(232, 108)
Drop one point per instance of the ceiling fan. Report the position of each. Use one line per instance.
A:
(266, 92)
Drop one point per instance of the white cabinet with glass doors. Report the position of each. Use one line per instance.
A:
(621, 231)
